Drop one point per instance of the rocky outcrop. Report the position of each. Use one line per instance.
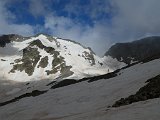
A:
(136, 50)
(150, 91)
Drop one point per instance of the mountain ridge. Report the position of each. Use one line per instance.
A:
(136, 50)
(131, 92)
(46, 57)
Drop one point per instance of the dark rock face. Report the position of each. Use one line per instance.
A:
(64, 83)
(44, 62)
(149, 91)
(5, 39)
(135, 51)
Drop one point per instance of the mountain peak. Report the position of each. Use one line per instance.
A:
(46, 57)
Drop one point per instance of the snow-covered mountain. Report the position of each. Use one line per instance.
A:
(135, 51)
(132, 93)
(29, 90)
(46, 57)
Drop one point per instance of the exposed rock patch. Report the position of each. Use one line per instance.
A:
(149, 91)
(44, 62)
(136, 50)
(89, 57)
(28, 62)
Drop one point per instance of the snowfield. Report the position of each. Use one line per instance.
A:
(82, 60)
(84, 101)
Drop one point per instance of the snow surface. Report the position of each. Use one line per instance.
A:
(89, 101)
(15, 90)
(71, 52)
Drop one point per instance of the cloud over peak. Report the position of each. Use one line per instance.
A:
(96, 24)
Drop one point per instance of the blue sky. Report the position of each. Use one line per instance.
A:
(94, 23)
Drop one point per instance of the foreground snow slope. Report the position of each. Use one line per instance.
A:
(88, 101)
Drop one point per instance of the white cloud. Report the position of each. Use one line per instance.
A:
(93, 37)
(7, 25)
(135, 18)
(132, 19)
(62, 26)
(40, 7)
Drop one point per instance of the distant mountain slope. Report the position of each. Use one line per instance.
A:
(46, 57)
(136, 50)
